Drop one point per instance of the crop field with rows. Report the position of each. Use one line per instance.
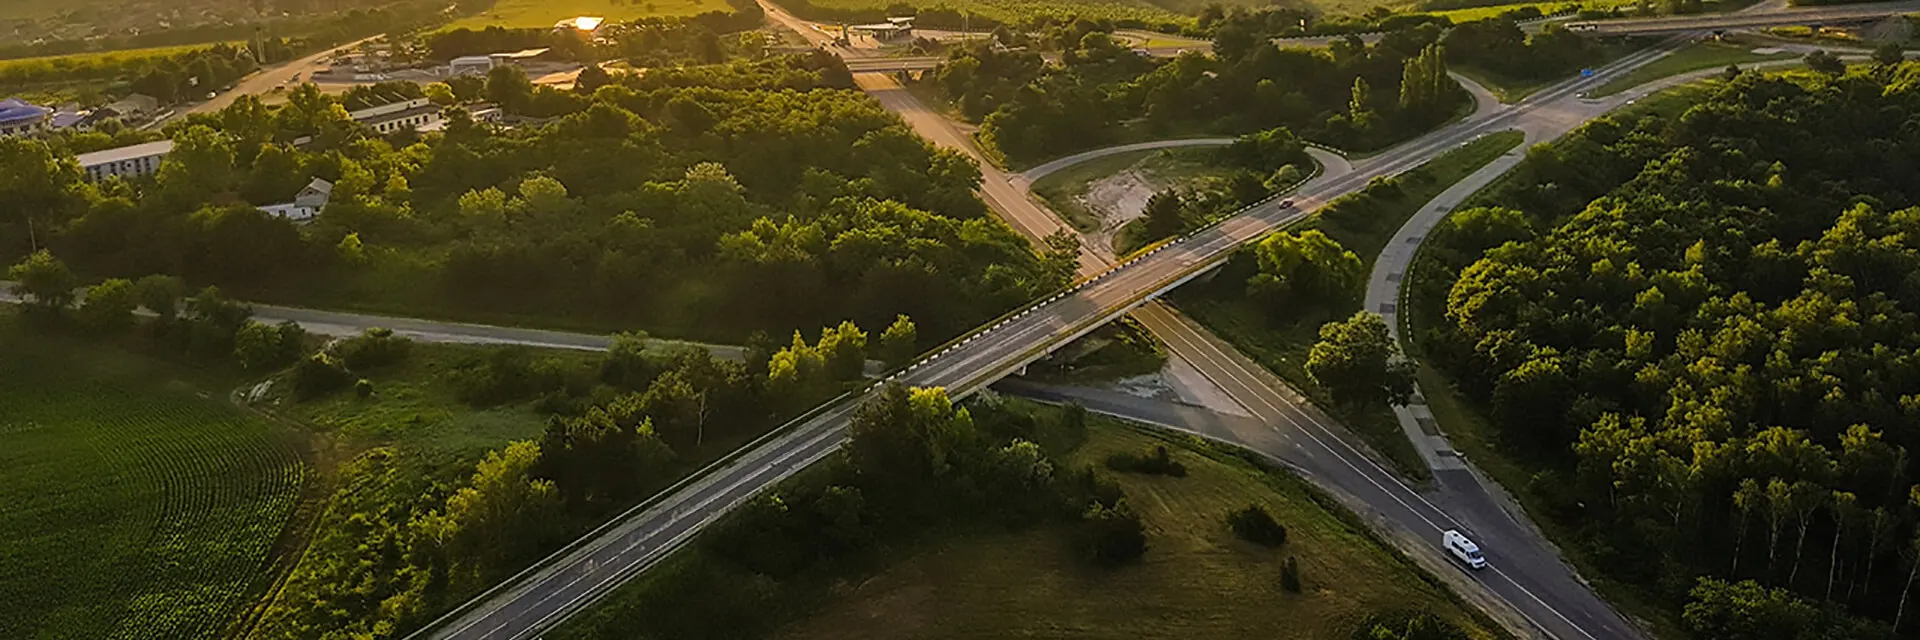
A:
(132, 505)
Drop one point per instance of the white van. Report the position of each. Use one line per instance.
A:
(1463, 549)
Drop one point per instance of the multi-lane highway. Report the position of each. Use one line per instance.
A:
(1537, 586)
(1770, 17)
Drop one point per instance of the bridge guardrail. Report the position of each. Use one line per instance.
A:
(926, 358)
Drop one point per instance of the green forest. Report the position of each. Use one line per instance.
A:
(1349, 95)
(1699, 334)
(704, 202)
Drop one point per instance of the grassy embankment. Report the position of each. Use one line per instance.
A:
(1473, 436)
(1064, 191)
(1693, 57)
(138, 501)
(1197, 580)
(1509, 89)
(1280, 339)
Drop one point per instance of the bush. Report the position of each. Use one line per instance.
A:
(318, 374)
(1083, 485)
(1253, 524)
(509, 374)
(376, 347)
(363, 388)
(1113, 536)
(1158, 463)
(1290, 575)
(1407, 625)
(260, 347)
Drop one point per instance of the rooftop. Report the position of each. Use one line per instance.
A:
(15, 109)
(521, 54)
(583, 23)
(397, 115)
(129, 152)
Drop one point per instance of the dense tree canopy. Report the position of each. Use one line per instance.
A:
(703, 201)
(1029, 111)
(1709, 325)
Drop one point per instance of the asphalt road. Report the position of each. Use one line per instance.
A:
(262, 82)
(345, 324)
(1766, 15)
(1535, 584)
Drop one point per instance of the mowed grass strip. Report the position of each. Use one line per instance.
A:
(97, 58)
(131, 504)
(1693, 57)
(535, 14)
(1197, 580)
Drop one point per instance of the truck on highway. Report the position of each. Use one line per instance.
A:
(1463, 549)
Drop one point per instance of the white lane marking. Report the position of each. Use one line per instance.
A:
(1404, 162)
(1229, 369)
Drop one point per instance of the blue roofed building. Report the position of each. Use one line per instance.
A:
(19, 117)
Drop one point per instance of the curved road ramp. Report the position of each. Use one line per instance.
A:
(573, 578)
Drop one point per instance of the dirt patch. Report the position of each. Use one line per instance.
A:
(1121, 197)
(1118, 199)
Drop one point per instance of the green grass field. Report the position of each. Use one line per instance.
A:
(1693, 57)
(137, 504)
(1481, 13)
(1509, 89)
(533, 14)
(97, 57)
(416, 408)
(1196, 581)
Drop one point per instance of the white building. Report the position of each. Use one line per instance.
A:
(127, 162)
(470, 66)
(398, 116)
(480, 65)
(306, 204)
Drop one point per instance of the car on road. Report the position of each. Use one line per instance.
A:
(1286, 204)
(1463, 549)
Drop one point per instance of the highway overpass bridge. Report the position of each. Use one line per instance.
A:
(535, 601)
(1808, 16)
(889, 65)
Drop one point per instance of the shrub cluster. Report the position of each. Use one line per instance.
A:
(1157, 462)
(1255, 525)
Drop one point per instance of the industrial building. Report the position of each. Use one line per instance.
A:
(409, 114)
(19, 117)
(480, 65)
(127, 162)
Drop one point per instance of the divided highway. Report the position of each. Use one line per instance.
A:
(588, 569)
(1746, 19)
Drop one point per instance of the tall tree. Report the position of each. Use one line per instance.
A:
(1357, 362)
(900, 342)
(1163, 214)
(1745, 500)
(1846, 510)
(44, 280)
